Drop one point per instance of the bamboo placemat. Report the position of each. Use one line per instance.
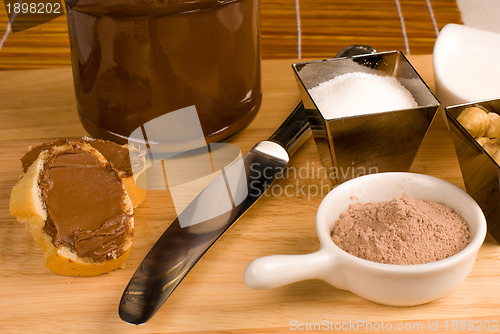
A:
(290, 29)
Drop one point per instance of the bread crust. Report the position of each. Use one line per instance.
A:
(137, 195)
(26, 203)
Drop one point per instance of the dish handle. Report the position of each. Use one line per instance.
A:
(276, 270)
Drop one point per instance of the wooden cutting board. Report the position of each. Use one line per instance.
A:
(39, 105)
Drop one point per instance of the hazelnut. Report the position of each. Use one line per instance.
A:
(482, 140)
(493, 130)
(492, 146)
(475, 120)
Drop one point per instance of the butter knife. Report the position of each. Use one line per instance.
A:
(180, 248)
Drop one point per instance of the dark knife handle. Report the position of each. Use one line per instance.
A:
(294, 131)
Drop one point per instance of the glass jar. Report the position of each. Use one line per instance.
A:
(135, 60)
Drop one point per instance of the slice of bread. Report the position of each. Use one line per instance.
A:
(117, 155)
(74, 250)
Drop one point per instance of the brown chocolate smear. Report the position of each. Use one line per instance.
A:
(116, 154)
(84, 205)
(29, 157)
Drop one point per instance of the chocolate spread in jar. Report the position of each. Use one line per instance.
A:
(84, 201)
(136, 60)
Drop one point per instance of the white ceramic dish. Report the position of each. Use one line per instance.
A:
(466, 66)
(397, 285)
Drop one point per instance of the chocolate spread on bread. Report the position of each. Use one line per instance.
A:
(29, 157)
(83, 198)
(116, 154)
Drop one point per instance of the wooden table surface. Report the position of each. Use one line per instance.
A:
(39, 105)
(290, 29)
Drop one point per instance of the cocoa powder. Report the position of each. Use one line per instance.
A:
(401, 231)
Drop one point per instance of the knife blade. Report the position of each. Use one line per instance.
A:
(180, 248)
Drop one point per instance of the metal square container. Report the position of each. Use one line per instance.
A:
(481, 174)
(381, 142)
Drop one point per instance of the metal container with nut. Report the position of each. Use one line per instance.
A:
(473, 128)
